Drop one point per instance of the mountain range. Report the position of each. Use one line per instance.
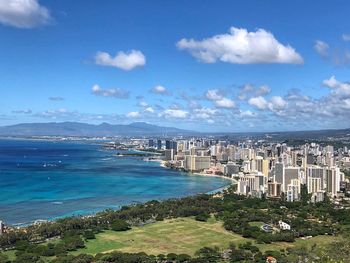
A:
(84, 129)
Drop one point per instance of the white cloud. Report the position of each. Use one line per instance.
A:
(143, 104)
(114, 93)
(122, 60)
(337, 56)
(225, 103)
(175, 113)
(247, 91)
(204, 113)
(346, 37)
(340, 89)
(149, 110)
(241, 47)
(258, 102)
(247, 113)
(159, 89)
(133, 114)
(321, 48)
(277, 102)
(262, 90)
(214, 94)
(219, 99)
(23, 13)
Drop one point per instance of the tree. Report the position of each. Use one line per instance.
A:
(304, 195)
(202, 217)
(208, 254)
(89, 234)
(3, 258)
(120, 225)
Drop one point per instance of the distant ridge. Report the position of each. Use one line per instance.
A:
(84, 129)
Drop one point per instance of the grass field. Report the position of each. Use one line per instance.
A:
(181, 235)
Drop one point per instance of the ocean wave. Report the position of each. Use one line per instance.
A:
(57, 203)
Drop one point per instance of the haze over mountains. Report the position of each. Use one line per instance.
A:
(84, 129)
(146, 129)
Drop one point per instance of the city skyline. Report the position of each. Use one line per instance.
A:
(227, 67)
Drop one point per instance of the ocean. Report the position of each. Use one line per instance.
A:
(46, 180)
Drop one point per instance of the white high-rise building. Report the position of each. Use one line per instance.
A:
(315, 178)
(293, 190)
(333, 180)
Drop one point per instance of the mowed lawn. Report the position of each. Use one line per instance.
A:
(181, 235)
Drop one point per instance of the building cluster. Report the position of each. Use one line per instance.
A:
(264, 169)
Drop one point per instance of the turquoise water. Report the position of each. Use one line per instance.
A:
(47, 180)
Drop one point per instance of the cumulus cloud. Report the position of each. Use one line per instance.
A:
(143, 104)
(214, 94)
(262, 90)
(277, 105)
(298, 111)
(247, 91)
(204, 113)
(225, 103)
(339, 89)
(122, 60)
(56, 98)
(336, 55)
(149, 110)
(133, 114)
(23, 13)
(321, 48)
(247, 113)
(219, 99)
(114, 93)
(259, 102)
(241, 47)
(159, 89)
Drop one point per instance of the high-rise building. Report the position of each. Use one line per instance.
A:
(167, 144)
(279, 173)
(169, 154)
(159, 144)
(231, 168)
(333, 180)
(261, 165)
(294, 158)
(315, 178)
(289, 174)
(310, 159)
(196, 163)
(293, 190)
(274, 189)
(251, 184)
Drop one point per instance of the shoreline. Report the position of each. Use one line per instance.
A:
(233, 181)
(92, 214)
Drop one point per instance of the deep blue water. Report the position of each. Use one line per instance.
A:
(47, 180)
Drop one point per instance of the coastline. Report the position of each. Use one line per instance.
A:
(233, 181)
(78, 213)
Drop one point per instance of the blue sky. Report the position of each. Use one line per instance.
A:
(202, 65)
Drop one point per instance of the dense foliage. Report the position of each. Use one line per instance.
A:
(236, 212)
